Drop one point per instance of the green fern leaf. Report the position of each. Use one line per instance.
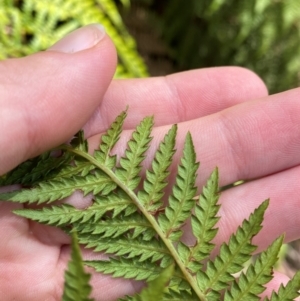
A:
(289, 292)
(251, 284)
(16, 175)
(116, 227)
(232, 256)
(203, 222)
(77, 286)
(78, 168)
(137, 248)
(127, 268)
(156, 179)
(108, 140)
(47, 192)
(134, 155)
(181, 201)
(140, 231)
(82, 167)
(65, 214)
(54, 215)
(36, 170)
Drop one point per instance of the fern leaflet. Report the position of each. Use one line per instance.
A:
(181, 202)
(130, 168)
(251, 283)
(203, 224)
(77, 286)
(108, 141)
(232, 256)
(156, 179)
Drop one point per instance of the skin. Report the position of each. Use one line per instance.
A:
(234, 123)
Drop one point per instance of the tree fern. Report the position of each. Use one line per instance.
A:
(139, 228)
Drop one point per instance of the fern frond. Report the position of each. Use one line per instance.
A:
(251, 284)
(130, 168)
(108, 140)
(182, 200)
(289, 292)
(37, 169)
(203, 223)
(140, 231)
(137, 248)
(126, 268)
(65, 214)
(156, 179)
(54, 215)
(49, 166)
(47, 192)
(78, 168)
(116, 227)
(77, 287)
(232, 256)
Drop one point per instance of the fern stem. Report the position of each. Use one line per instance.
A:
(143, 210)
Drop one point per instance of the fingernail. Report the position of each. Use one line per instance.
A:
(80, 39)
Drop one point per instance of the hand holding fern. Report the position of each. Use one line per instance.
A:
(251, 136)
(233, 122)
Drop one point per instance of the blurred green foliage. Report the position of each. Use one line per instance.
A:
(263, 35)
(32, 25)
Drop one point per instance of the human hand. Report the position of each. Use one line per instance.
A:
(228, 130)
(236, 126)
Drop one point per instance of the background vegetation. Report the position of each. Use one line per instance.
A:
(263, 35)
(32, 25)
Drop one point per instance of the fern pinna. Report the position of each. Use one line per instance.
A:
(131, 219)
(77, 287)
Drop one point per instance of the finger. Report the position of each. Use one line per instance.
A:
(247, 141)
(46, 97)
(176, 98)
(250, 140)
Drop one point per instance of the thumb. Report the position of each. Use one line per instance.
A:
(46, 97)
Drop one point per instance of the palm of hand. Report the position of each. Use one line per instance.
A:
(30, 269)
(33, 257)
